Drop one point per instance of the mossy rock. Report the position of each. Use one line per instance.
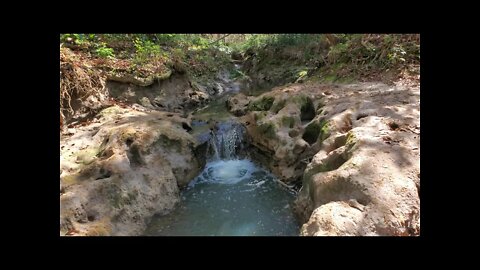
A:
(278, 105)
(259, 115)
(288, 121)
(311, 133)
(263, 104)
(128, 134)
(88, 155)
(110, 111)
(307, 109)
(69, 180)
(268, 130)
(118, 198)
(351, 140)
(325, 130)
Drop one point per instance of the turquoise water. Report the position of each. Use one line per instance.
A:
(230, 198)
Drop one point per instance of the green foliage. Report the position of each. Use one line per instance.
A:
(294, 39)
(234, 74)
(351, 54)
(105, 52)
(259, 41)
(255, 41)
(146, 49)
(166, 38)
(302, 73)
(71, 38)
(369, 51)
(325, 129)
(77, 39)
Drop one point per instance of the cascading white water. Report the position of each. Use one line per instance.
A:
(226, 140)
(230, 196)
(212, 143)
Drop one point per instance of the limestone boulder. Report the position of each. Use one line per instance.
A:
(123, 168)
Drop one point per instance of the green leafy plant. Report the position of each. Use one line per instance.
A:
(105, 52)
(146, 49)
(72, 38)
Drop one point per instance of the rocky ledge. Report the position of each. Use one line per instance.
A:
(119, 170)
(355, 147)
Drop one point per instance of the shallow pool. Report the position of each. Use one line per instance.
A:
(230, 198)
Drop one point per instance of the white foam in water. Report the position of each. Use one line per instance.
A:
(229, 197)
(228, 171)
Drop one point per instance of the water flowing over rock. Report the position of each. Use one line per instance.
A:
(227, 139)
(231, 196)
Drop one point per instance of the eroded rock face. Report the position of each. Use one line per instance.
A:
(336, 218)
(123, 168)
(359, 144)
(238, 104)
(175, 93)
(276, 122)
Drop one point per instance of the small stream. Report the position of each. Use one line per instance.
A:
(231, 197)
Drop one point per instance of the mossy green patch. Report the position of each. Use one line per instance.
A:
(216, 109)
(268, 130)
(70, 179)
(87, 156)
(302, 73)
(110, 111)
(288, 121)
(325, 130)
(128, 134)
(262, 104)
(351, 140)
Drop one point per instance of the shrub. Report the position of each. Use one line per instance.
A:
(105, 52)
(146, 49)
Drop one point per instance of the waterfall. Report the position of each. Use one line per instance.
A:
(226, 140)
(213, 145)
